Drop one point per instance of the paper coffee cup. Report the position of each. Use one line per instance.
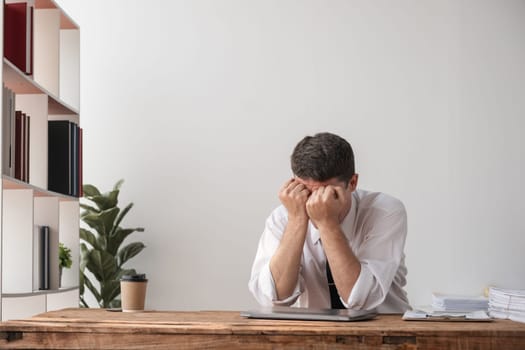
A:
(133, 292)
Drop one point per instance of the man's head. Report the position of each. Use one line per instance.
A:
(323, 157)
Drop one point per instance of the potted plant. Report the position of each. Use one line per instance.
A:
(64, 260)
(100, 249)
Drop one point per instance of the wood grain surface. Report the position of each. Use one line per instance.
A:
(102, 329)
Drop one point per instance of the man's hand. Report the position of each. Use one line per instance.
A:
(325, 205)
(326, 208)
(294, 195)
(286, 262)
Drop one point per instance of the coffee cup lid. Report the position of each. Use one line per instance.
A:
(139, 277)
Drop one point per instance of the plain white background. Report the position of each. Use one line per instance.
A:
(197, 104)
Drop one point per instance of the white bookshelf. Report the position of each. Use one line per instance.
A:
(46, 213)
(47, 48)
(17, 241)
(62, 299)
(51, 93)
(16, 80)
(18, 307)
(69, 70)
(68, 228)
(36, 105)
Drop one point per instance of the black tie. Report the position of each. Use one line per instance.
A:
(334, 296)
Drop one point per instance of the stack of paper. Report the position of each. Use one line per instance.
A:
(507, 303)
(458, 303)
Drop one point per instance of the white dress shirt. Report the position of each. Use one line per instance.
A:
(375, 227)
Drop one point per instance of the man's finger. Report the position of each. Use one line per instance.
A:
(310, 199)
(328, 193)
(297, 187)
(339, 192)
(307, 190)
(287, 184)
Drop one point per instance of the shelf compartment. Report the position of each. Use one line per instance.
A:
(20, 83)
(46, 212)
(17, 241)
(66, 22)
(10, 183)
(68, 229)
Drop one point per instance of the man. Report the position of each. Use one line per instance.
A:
(329, 245)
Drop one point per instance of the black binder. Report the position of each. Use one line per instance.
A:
(44, 258)
(59, 160)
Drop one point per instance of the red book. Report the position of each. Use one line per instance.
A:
(18, 145)
(27, 135)
(23, 151)
(18, 38)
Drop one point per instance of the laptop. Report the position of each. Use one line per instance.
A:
(298, 313)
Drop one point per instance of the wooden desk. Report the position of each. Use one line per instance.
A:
(101, 329)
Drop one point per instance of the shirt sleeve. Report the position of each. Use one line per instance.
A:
(380, 256)
(261, 283)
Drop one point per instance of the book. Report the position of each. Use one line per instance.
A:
(59, 159)
(12, 150)
(74, 160)
(8, 128)
(22, 147)
(44, 268)
(27, 128)
(65, 157)
(18, 145)
(18, 35)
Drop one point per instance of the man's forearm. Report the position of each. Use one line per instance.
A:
(344, 265)
(286, 261)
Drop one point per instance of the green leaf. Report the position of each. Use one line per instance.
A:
(89, 237)
(84, 257)
(81, 285)
(83, 303)
(129, 252)
(102, 265)
(118, 184)
(92, 288)
(102, 222)
(121, 216)
(90, 190)
(105, 201)
(118, 237)
(102, 243)
(112, 198)
(64, 256)
(89, 209)
(109, 290)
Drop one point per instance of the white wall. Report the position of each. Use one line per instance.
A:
(198, 103)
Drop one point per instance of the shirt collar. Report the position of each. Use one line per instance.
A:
(347, 222)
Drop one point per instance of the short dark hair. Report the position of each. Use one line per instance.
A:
(322, 157)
